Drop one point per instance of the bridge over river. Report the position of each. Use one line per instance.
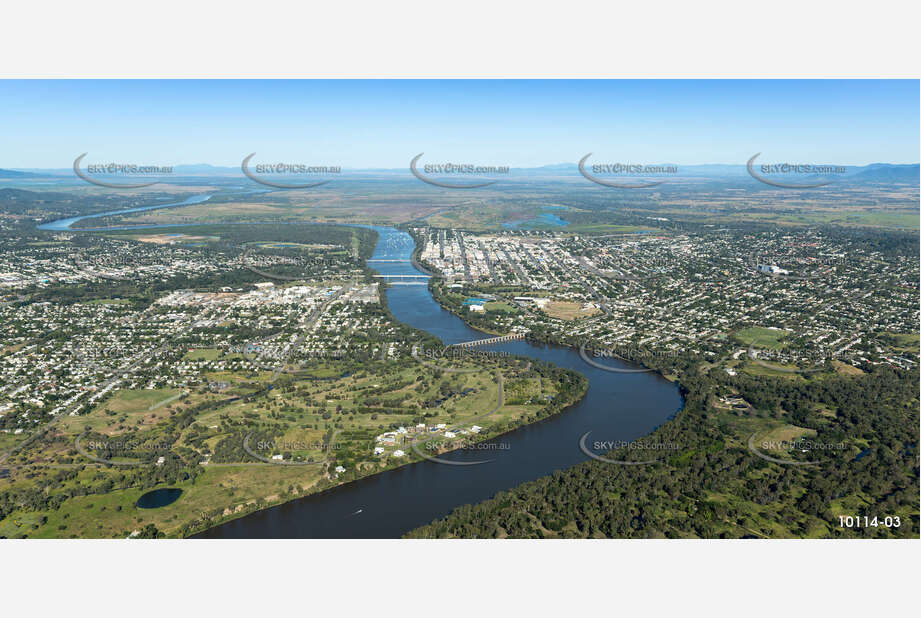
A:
(490, 341)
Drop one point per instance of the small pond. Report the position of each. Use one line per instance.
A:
(159, 497)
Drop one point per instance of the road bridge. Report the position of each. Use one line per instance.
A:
(490, 341)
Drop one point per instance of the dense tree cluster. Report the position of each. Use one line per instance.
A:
(715, 487)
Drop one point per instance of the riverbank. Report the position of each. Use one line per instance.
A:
(386, 502)
(482, 445)
(438, 294)
(395, 501)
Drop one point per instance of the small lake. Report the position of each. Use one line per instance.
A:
(159, 497)
(545, 218)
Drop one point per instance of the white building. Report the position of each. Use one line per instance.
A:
(772, 269)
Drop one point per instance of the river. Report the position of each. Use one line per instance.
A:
(616, 407)
(64, 225)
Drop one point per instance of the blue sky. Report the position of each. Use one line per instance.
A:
(517, 123)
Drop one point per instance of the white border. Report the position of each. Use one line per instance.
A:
(474, 38)
(459, 578)
(469, 38)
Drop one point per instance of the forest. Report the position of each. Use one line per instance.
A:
(715, 487)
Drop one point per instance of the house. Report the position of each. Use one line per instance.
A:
(161, 461)
(389, 437)
(339, 469)
(278, 457)
(398, 453)
(379, 450)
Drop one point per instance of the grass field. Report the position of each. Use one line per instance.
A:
(206, 354)
(755, 369)
(784, 433)
(501, 307)
(305, 418)
(760, 337)
(116, 514)
(846, 369)
(906, 342)
(128, 409)
(605, 228)
(564, 310)
(806, 214)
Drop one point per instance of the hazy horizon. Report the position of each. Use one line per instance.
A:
(368, 124)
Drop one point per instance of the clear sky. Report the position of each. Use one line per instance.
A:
(46, 124)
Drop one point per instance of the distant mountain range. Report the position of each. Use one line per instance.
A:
(889, 173)
(16, 174)
(886, 172)
(874, 172)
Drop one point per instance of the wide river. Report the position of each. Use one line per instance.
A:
(617, 406)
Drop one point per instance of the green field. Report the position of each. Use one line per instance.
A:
(501, 307)
(605, 228)
(205, 354)
(307, 418)
(762, 337)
